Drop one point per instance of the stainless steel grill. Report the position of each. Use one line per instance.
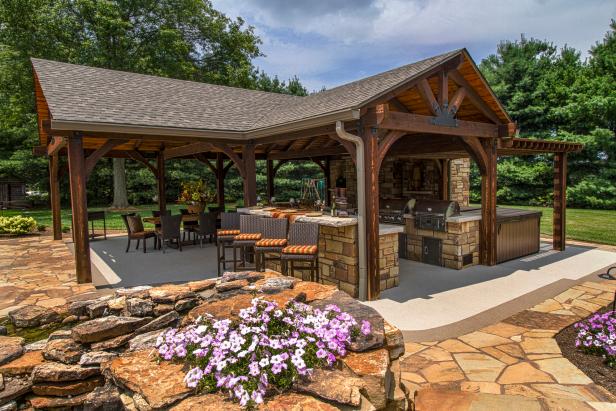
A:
(433, 214)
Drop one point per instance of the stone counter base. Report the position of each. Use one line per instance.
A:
(460, 243)
(107, 359)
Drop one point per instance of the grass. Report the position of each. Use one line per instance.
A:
(594, 226)
(113, 218)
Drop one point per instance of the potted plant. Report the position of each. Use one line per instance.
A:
(196, 196)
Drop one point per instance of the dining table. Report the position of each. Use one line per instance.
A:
(185, 218)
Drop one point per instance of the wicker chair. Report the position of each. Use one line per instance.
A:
(303, 245)
(274, 239)
(229, 228)
(157, 213)
(189, 226)
(250, 233)
(135, 230)
(206, 227)
(170, 230)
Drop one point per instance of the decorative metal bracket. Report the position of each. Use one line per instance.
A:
(445, 118)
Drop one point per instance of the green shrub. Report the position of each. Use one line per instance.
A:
(17, 225)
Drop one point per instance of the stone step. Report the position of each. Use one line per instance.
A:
(448, 400)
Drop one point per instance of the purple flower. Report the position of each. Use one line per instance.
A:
(366, 328)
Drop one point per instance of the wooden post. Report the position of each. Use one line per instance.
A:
(79, 205)
(371, 169)
(220, 180)
(160, 167)
(328, 182)
(54, 196)
(560, 201)
(250, 178)
(488, 206)
(445, 165)
(270, 179)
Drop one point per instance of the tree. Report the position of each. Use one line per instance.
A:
(185, 39)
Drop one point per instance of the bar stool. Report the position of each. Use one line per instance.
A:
(229, 228)
(274, 239)
(250, 233)
(303, 246)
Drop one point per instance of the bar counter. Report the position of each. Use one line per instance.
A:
(338, 252)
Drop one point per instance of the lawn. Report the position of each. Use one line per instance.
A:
(113, 220)
(597, 226)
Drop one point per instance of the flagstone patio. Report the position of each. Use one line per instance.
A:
(36, 270)
(517, 358)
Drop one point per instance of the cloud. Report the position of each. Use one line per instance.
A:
(327, 42)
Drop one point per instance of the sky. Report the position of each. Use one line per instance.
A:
(331, 42)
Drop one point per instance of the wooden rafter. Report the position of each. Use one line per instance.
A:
(186, 150)
(476, 151)
(317, 152)
(399, 105)
(474, 98)
(349, 146)
(385, 144)
(456, 101)
(426, 93)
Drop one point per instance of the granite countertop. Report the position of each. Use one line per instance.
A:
(502, 214)
(325, 220)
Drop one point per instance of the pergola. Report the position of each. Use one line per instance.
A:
(438, 108)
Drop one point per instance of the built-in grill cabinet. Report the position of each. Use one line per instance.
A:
(433, 214)
(432, 251)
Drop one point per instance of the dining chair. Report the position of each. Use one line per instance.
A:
(169, 231)
(206, 227)
(135, 230)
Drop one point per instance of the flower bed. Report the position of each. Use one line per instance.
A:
(269, 347)
(597, 335)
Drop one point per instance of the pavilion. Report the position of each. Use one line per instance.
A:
(440, 107)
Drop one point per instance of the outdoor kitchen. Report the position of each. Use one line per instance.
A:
(428, 201)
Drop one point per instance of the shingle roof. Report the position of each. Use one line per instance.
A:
(94, 95)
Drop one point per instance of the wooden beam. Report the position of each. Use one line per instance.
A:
(79, 206)
(187, 150)
(348, 146)
(475, 149)
(445, 169)
(328, 182)
(415, 123)
(93, 158)
(559, 233)
(306, 154)
(137, 156)
(207, 162)
(443, 90)
(399, 105)
(55, 145)
(488, 234)
(270, 179)
(220, 180)
(475, 99)
(426, 94)
(54, 196)
(161, 183)
(250, 176)
(371, 169)
(279, 164)
(235, 158)
(390, 138)
(456, 101)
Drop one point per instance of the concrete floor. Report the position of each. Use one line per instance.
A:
(430, 302)
(431, 298)
(114, 267)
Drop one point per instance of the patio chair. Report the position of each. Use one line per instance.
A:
(157, 213)
(216, 210)
(206, 227)
(303, 246)
(135, 230)
(188, 225)
(169, 231)
(274, 239)
(250, 233)
(229, 228)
